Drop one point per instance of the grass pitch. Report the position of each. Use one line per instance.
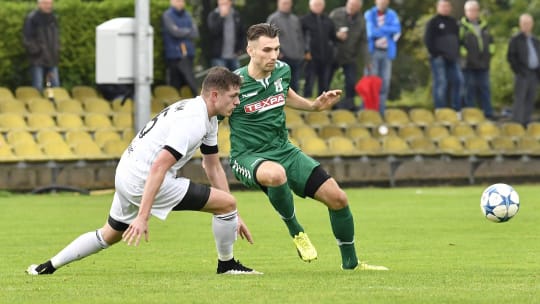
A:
(435, 241)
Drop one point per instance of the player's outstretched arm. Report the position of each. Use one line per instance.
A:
(139, 226)
(324, 102)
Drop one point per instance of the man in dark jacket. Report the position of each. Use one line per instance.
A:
(227, 33)
(352, 43)
(476, 49)
(442, 41)
(524, 58)
(319, 37)
(179, 30)
(42, 42)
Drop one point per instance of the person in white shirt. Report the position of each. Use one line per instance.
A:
(146, 183)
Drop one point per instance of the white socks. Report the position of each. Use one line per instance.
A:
(83, 246)
(224, 228)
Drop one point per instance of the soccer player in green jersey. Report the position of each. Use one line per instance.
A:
(262, 156)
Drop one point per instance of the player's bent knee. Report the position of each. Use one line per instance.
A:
(220, 202)
(339, 200)
(271, 174)
(111, 235)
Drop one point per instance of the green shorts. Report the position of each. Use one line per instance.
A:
(298, 166)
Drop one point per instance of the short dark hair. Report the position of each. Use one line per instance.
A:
(262, 29)
(221, 79)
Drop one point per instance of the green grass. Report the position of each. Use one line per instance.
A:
(438, 246)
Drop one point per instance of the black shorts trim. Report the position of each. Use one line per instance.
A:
(116, 225)
(209, 149)
(316, 179)
(195, 199)
(177, 155)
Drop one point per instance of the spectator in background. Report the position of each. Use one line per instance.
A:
(41, 39)
(523, 56)
(179, 30)
(227, 33)
(351, 43)
(476, 49)
(291, 38)
(319, 39)
(383, 32)
(442, 41)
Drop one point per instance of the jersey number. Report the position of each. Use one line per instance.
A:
(152, 123)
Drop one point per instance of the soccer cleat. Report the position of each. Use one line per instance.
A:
(365, 266)
(306, 250)
(45, 268)
(234, 267)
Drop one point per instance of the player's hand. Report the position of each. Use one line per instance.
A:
(134, 232)
(326, 100)
(243, 231)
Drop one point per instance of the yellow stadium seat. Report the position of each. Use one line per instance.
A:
(128, 134)
(423, 146)
(6, 94)
(472, 116)
(396, 117)
(70, 121)
(368, 146)
(166, 94)
(125, 107)
(115, 148)
(95, 121)
(370, 118)
(75, 137)
(314, 146)
(156, 106)
(504, 145)
(26, 93)
(58, 151)
(421, 117)
(97, 105)
(70, 106)
(303, 132)
(394, 145)
(512, 129)
(38, 121)
(6, 153)
(41, 105)
(103, 136)
(123, 120)
(88, 150)
(409, 132)
(528, 145)
(49, 136)
(12, 121)
(81, 92)
(355, 132)
(56, 93)
(343, 146)
(436, 132)
(377, 132)
(12, 106)
(462, 131)
(451, 145)
(487, 130)
(446, 116)
(18, 136)
(342, 118)
(293, 119)
(317, 119)
(533, 130)
(478, 146)
(224, 147)
(185, 92)
(28, 151)
(325, 132)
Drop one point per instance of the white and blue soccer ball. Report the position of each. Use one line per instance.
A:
(499, 203)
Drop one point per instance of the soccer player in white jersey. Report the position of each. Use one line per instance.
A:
(146, 182)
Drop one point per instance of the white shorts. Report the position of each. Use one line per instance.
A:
(127, 198)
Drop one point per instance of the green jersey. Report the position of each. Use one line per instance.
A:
(258, 123)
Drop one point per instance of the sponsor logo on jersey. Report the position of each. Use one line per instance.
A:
(265, 104)
(250, 94)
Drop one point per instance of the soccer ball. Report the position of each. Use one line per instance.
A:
(499, 203)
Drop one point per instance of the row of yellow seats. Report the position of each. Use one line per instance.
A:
(89, 105)
(65, 121)
(393, 117)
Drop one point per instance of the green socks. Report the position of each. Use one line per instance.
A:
(343, 228)
(282, 200)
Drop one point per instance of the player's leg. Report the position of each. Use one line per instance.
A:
(86, 244)
(224, 223)
(326, 190)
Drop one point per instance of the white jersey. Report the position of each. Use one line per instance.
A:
(182, 127)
